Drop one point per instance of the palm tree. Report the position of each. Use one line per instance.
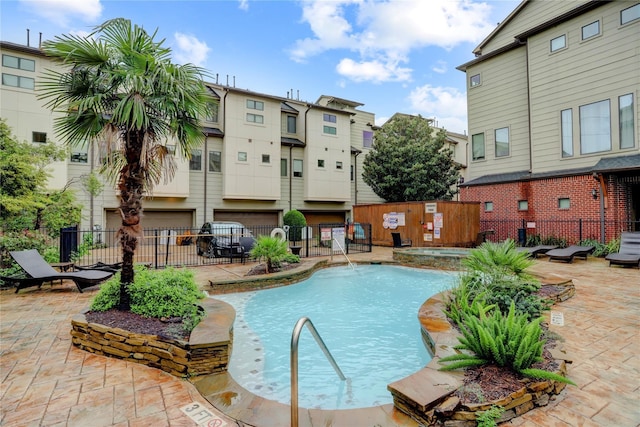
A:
(119, 88)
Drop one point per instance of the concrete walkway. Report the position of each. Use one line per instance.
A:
(45, 381)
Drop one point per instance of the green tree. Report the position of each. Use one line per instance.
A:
(296, 221)
(409, 162)
(119, 87)
(25, 201)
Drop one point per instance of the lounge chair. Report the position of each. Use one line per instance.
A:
(629, 253)
(38, 271)
(534, 251)
(569, 253)
(398, 242)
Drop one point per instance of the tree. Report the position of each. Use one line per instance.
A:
(272, 249)
(25, 201)
(120, 88)
(409, 162)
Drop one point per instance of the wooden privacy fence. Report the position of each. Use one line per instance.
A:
(427, 224)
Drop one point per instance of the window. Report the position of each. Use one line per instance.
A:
(215, 161)
(566, 128)
(297, 168)
(563, 203)
(352, 170)
(39, 137)
(330, 130)
(625, 107)
(320, 163)
(558, 43)
(242, 156)
(329, 118)
(338, 165)
(283, 167)
(523, 205)
(291, 124)
(195, 162)
(595, 127)
(477, 146)
(266, 158)
(591, 30)
(212, 112)
(171, 149)
(18, 81)
(255, 105)
(79, 155)
(630, 14)
(488, 206)
(367, 138)
(19, 63)
(474, 80)
(502, 142)
(255, 118)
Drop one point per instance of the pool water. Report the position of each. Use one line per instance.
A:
(367, 317)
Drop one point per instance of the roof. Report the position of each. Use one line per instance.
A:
(288, 108)
(355, 150)
(212, 132)
(291, 142)
(21, 48)
(343, 101)
(607, 164)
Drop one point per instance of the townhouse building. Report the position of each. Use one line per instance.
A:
(553, 115)
(263, 155)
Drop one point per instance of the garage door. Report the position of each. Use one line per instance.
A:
(249, 219)
(159, 220)
(314, 218)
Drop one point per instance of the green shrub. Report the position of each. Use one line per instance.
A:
(495, 258)
(22, 240)
(510, 341)
(156, 293)
(296, 221)
(489, 417)
(601, 249)
(272, 249)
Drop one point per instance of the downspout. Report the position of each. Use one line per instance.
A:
(91, 167)
(355, 178)
(529, 109)
(290, 175)
(603, 195)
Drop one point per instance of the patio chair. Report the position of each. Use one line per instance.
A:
(569, 253)
(38, 271)
(629, 253)
(398, 242)
(534, 251)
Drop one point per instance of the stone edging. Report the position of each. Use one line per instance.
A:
(207, 351)
(427, 395)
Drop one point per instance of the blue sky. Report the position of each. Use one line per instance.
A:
(392, 56)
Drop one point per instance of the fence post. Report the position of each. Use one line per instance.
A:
(155, 247)
(580, 229)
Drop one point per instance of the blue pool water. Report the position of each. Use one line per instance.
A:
(366, 316)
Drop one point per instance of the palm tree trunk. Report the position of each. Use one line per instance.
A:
(131, 186)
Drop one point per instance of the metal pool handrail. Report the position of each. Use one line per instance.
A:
(295, 336)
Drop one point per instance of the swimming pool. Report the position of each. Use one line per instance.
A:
(366, 316)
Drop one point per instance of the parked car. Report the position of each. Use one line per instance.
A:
(221, 239)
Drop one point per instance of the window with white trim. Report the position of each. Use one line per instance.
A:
(558, 43)
(297, 168)
(595, 127)
(329, 130)
(242, 156)
(331, 118)
(338, 165)
(488, 206)
(502, 142)
(630, 14)
(477, 146)
(195, 162)
(523, 205)
(255, 105)
(266, 158)
(215, 161)
(18, 81)
(283, 167)
(591, 30)
(320, 163)
(255, 118)
(566, 129)
(625, 110)
(40, 137)
(474, 80)
(25, 64)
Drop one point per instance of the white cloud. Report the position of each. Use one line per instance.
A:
(372, 71)
(64, 12)
(448, 105)
(385, 32)
(440, 67)
(244, 4)
(188, 49)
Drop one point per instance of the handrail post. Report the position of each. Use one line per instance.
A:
(295, 337)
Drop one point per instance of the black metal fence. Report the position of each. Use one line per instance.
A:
(563, 232)
(159, 248)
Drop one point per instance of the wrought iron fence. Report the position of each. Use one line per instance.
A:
(563, 232)
(160, 248)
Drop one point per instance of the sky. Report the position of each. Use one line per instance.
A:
(393, 56)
